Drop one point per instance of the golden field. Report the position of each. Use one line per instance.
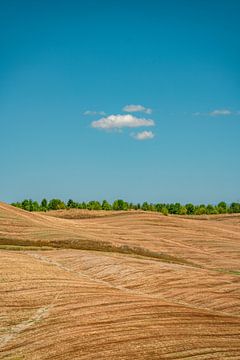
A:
(129, 285)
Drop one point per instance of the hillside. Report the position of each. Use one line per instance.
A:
(132, 285)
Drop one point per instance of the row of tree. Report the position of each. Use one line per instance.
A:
(176, 208)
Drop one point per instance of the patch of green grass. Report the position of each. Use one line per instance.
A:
(235, 272)
(24, 248)
(84, 244)
(230, 272)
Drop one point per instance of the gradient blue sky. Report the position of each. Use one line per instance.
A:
(61, 58)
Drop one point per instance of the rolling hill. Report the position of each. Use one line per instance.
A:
(132, 285)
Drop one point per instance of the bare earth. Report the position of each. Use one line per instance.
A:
(131, 285)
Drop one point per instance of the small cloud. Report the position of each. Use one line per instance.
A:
(90, 112)
(137, 108)
(224, 112)
(217, 112)
(121, 121)
(144, 135)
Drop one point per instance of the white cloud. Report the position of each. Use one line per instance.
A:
(121, 121)
(144, 135)
(137, 108)
(90, 112)
(217, 112)
(220, 112)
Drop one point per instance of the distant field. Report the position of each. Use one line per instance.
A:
(86, 214)
(89, 214)
(78, 284)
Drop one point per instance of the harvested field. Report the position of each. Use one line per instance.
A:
(129, 286)
(85, 214)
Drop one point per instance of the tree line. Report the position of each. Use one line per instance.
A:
(173, 208)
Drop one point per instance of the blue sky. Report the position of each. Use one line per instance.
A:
(137, 100)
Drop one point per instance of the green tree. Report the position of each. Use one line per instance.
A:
(56, 204)
(26, 205)
(44, 204)
(94, 205)
(177, 208)
(174, 208)
(72, 204)
(200, 210)
(190, 209)
(35, 206)
(222, 207)
(210, 209)
(158, 207)
(83, 205)
(145, 206)
(17, 204)
(183, 210)
(106, 205)
(234, 208)
(120, 205)
(164, 210)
